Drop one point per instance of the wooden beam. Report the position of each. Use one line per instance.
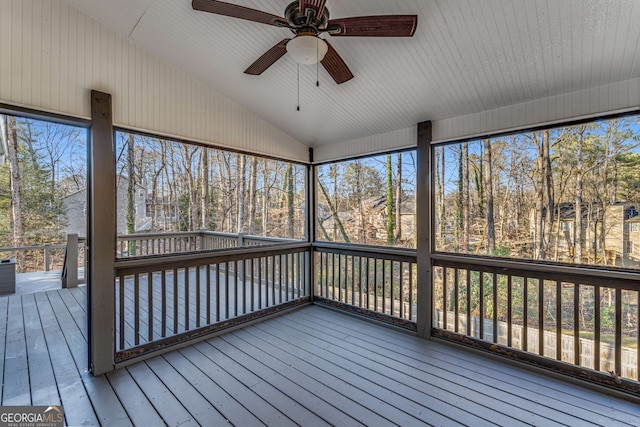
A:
(424, 230)
(101, 239)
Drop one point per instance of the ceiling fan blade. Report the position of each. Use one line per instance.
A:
(235, 11)
(316, 5)
(335, 66)
(374, 26)
(268, 59)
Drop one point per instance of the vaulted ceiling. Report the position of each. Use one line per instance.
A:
(466, 56)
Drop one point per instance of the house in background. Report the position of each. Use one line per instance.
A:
(75, 207)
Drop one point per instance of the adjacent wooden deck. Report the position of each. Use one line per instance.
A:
(310, 367)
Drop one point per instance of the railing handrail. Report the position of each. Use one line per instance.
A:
(176, 260)
(580, 274)
(365, 249)
(33, 247)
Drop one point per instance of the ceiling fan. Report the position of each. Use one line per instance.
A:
(307, 19)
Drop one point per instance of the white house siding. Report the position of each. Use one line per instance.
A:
(53, 55)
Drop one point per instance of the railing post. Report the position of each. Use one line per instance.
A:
(70, 270)
(203, 240)
(47, 256)
(241, 239)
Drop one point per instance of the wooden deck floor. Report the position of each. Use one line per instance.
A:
(310, 367)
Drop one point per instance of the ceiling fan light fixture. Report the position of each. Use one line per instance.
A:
(307, 49)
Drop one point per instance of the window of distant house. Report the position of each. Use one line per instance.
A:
(558, 194)
(629, 247)
(167, 186)
(368, 201)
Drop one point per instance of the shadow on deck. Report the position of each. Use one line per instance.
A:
(313, 366)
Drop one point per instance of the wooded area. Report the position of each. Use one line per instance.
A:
(369, 201)
(567, 194)
(175, 186)
(42, 163)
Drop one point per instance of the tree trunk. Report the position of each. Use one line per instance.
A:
(253, 168)
(488, 177)
(390, 239)
(131, 193)
(241, 189)
(548, 192)
(578, 235)
(398, 231)
(265, 197)
(10, 134)
(204, 189)
(466, 202)
(441, 206)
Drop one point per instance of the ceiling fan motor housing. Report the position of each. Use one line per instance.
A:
(305, 22)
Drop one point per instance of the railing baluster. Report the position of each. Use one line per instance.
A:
(618, 332)
(136, 308)
(525, 314)
(375, 284)
(121, 311)
(217, 293)
(402, 310)
(235, 288)
(481, 305)
(273, 281)
(558, 320)
(150, 304)
(596, 335)
(367, 281)
(353, 279)
(252, 288)
(208, 291)
(509, 310)
(541, 317)
(576, 324)
(259, 283)
(468, 301)
(175, 301)
(226, 296)
(384, 286)
(186, 299)
(456, 292)
(198, 301)
(244, 287)
(163, 284)
(495, 308)
(444, 299)
(226, 290)
(411, 291)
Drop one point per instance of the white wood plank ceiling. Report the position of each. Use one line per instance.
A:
(466, 56)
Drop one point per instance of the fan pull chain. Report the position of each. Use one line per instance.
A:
(298, 87)
(317, 62)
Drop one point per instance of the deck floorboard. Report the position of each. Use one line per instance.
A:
(312, 367)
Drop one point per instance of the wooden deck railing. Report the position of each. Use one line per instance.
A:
(553, 316)
(165, 301)
(377, 282)
(147, 244)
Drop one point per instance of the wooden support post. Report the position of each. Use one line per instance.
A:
(70, 272)
(47, 256)
(425, 227)
(101, 239)
(310, 270)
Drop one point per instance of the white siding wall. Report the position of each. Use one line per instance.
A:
(612, 98)
(52, 55)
